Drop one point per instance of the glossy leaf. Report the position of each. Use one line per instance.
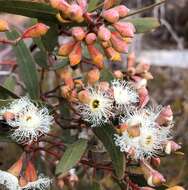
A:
(106, 135)
(29, 9)
(26, 65)
(145, 24)
(71, 156)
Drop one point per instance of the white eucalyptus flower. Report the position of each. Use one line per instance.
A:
(8, 181)
(30, 122)
(99, 108)
(42, 183)
(124, 93)
(149, 139)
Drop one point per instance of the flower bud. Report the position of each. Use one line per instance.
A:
(93, 76)
(118, 44)
(118, 74)
(76, 54)
(106, 44)
(122, 128)
(104, 33)
(83, 4)
(60, 183)
(78, 33)
(35, 31)
(84, 97)
(7, 116)
(30, 172)
(165, 116)
(65, 49)
(76, 13)
(111, 15)
(3, 26)
(171, 146)
(108, 4)
(139, 82)
(122, 10)
(176, 188)
(90, 38)
(142, 67)
(65, 91)
(126, 29)
(61, 5)
(16, 168)
(155, 161)
(104, 86)
(143, 96)
(112, 54)
(96, 56)
(147, 75)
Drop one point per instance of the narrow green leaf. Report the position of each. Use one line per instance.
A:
(26, 65)
(106, 135)
(71, 156)
(145, 24)
(41, 11)
(9, 83)
(41, 59)
(5, 93)
(92, 5)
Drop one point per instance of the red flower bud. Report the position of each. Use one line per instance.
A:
(16, 168)
(112, 54)
(76, 54)
(104, 33)
(155, 161)
(66, 48)
(78, 33)
(96, 56)
(111, 15)
(118, 43)
(3, 25)
(91, 38)
(165, 116)
(35, 31)
(122, 10)
(109, 3)
(30, 172)
(126, 29)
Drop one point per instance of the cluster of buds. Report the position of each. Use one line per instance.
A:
(107, 29)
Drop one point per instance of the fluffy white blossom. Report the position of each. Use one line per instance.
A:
(124, 93)
(42, 183)
(8, 181)
(99, 108)
(151, 138)
(30, 121)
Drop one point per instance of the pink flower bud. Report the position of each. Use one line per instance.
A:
(96, 56)
(93, 76)
(3, 26)
(104, 33)
(90, 38)
(83, 4)
(171, 146)
(118, 43)
(78, 33)
(122, 10)
(165, 116)
(66, 48)
(143, 97)
(61, 5)
(112, 54)
(109, 3)
(111, 15)
(155, 161)
(76, 54)
(139, 82)
(8, 116)
(84, 97)
(104, 86)
(126, 29)
(118, 74)
(76, 13)
(35, 31)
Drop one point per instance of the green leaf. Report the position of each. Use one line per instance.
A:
(9, 83)
(92, 5)
(145, 24)
(62, 63)
(106, 135)
(106, 75)
(71, 156)
(41, 11)
(26, 65)
(41, 59)
(96, 186)
(5, 93)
